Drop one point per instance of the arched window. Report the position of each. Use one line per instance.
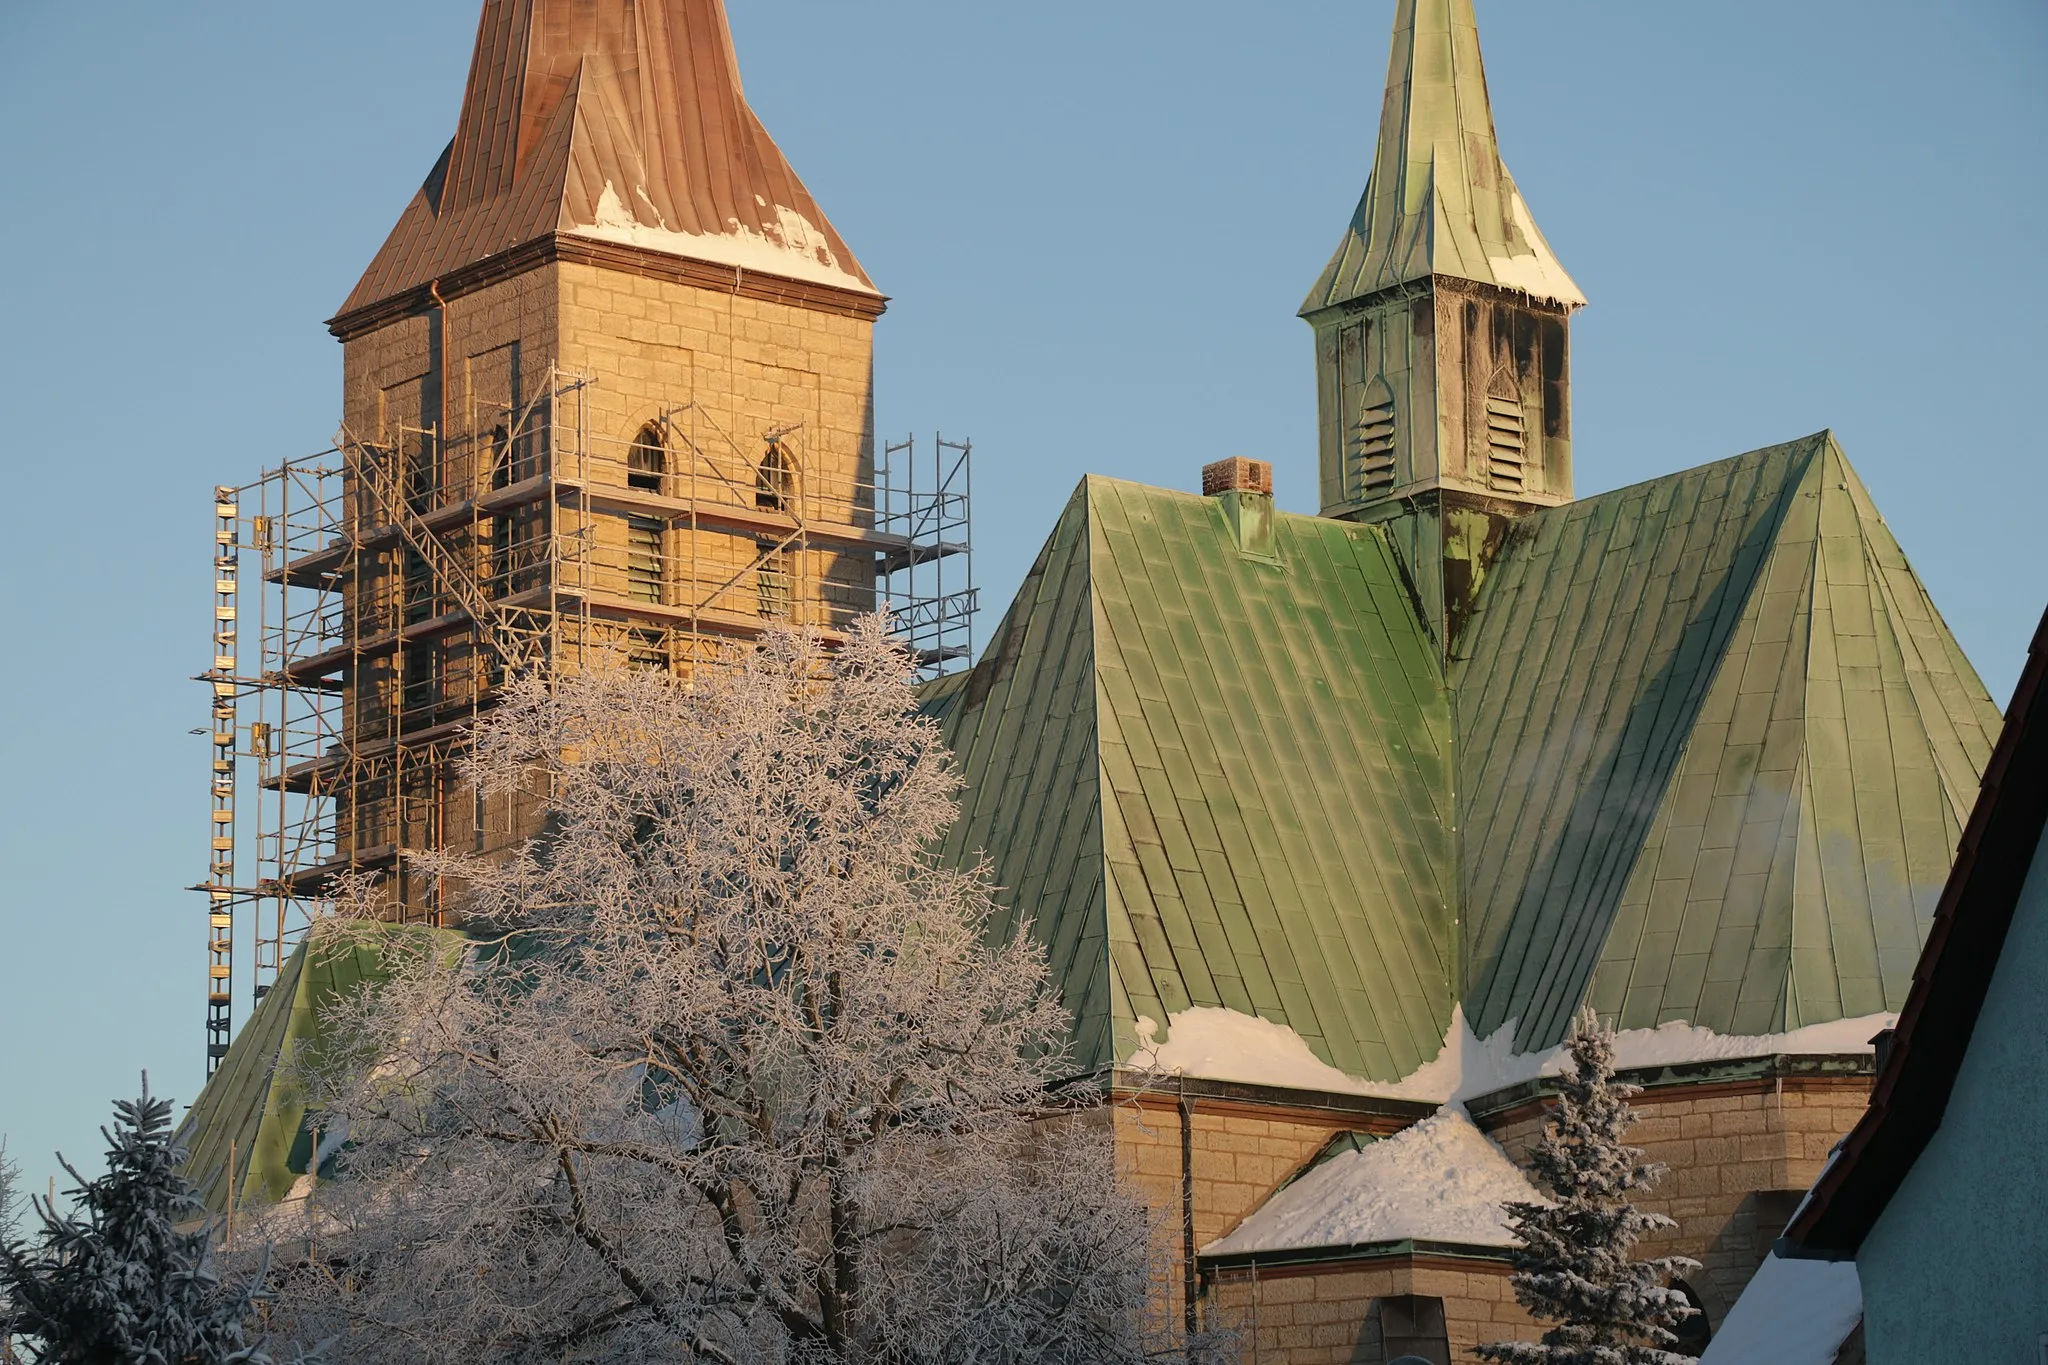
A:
(647, 460)
(775, 480)
(1695, 1332)
(1371, 467)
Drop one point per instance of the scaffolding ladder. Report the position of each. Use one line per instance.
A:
(220, 872)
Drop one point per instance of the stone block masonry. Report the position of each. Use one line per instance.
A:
(1324, 1314)
(1738, 1153)
(1740, 1140)
(719, 374)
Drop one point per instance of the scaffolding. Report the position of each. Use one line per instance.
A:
(406, 574)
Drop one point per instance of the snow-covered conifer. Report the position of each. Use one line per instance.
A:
(731, 1069)
(1573, 1267)
(128, 1274)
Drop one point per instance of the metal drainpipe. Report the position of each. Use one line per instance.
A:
(1255, 1310)
(1190, 1287)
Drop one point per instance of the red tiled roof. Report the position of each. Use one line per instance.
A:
(615, 120)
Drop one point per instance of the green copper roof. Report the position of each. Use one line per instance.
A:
(1214, 777)
(1703, 755)
(1673, 781)
(253, 1109)
(1439, 201)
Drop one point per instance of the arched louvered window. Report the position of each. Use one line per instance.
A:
(1507, 437)
(647, 459)
(775, 480)
(1371, 452)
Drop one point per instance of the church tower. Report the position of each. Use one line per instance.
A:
(607, 396)
(1442, 365)
(607, 391)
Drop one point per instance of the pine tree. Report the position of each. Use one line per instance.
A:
(1573, 1265)
(128, 1276)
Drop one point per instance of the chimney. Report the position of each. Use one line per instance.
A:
(1237, 475)
(1245, 490)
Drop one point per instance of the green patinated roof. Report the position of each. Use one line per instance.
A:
(1715, 752)
(253, 1108)
(1703, 755)
(1219, 778)
(1439, 201)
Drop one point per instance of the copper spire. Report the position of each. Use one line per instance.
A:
(614, 120)
(1440, 201)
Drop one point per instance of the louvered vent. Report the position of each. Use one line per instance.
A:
(1506, 445)
(1372, 442)
(643, 559)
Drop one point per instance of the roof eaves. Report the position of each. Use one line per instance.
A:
(1406, 1249)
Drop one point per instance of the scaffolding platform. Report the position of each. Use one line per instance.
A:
(397, 582)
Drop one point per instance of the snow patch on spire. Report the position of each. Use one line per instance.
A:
(1537, 273)
(792, 247)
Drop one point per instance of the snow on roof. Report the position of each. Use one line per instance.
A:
(791, 246)
(1792, 1313)
(1224, 1045)
(1537, 271)
(1439, 1181)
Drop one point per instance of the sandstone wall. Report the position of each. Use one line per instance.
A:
(1323, 1315)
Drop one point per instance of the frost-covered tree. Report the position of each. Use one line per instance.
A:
(128, 1275)
(1574, 1266)
(730, 1069)
(10, 1180)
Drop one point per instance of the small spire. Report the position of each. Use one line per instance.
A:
(1439, 201)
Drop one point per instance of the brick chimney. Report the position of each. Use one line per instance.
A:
(1237, 475)
(1245, 489)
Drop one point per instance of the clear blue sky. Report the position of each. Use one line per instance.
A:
(1096, 221)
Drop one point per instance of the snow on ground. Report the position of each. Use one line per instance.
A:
(1224, 1045)
(794, 247)
(1792, 1313)
(1441, 1181)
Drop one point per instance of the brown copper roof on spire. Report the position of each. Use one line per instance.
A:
(614, 121)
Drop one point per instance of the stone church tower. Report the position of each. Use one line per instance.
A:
(1442, 343)
(608, 387)
(607, 392)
